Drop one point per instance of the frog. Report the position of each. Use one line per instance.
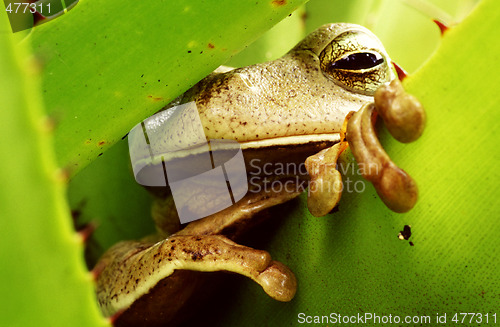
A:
(306, 107)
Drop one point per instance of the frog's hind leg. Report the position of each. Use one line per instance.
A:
(132, 269)
(162, 272)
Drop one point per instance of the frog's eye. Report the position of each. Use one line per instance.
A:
(356, 61)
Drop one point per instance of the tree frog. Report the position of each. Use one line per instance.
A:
(305, 107)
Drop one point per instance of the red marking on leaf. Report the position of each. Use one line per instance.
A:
(87, 231)
(38, 18)
(400, 71)
(115, 317)
(442, 26)
(97, 270)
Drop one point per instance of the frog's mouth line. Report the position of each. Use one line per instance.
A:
(291, 140)
(285, 144)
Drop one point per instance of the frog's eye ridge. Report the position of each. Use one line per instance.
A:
(357, 61)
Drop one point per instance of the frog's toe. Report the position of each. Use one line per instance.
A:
(278, 281)
(402, 113)
(394, 186)
(325, 187)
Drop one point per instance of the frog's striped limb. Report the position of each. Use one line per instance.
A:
(131, 269)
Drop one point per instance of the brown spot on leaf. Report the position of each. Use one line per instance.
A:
(211, 46)
(101, 143)
(62, 175)
(155, 98)
(49, 124)
(279, 3)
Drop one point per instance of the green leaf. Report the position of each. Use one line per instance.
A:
(111, 64)
(44, 279)
(274, 43)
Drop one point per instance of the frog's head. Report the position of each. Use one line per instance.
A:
(282, 110)
(303, 96)
(295, 106)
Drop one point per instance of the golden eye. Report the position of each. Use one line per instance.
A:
(356, 61)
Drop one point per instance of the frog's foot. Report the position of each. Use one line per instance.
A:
(325, 187)
(130, 270)
(402, 113)
(405, 119)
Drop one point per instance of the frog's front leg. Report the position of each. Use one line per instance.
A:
(404, 117)
(325, 187)
(134, 269)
